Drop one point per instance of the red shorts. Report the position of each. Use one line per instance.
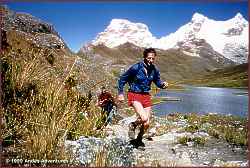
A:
(143, 98)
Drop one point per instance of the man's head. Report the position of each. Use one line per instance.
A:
(149, 56)
(103, 89)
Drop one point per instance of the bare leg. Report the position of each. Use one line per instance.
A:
(143, 113)
(144, 117)
(145, 125)
(132, 126)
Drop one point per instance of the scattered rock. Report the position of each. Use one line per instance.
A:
(93, 151)
(126, 121)
(184, 160)
(40, 33)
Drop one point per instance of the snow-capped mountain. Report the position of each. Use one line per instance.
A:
(121, 31)
(229, 39)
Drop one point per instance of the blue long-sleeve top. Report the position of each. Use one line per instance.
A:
(139, 81)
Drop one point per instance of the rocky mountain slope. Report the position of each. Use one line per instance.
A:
(25, 35)
(41, 33)
(226, 40)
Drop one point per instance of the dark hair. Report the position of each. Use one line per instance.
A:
(148, 50)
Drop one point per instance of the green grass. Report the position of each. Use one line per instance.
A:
(196, 140)
(192, 128)
(233, 129)
(233, 77)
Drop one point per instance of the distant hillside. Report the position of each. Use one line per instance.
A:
(235, 76)
(173, 64)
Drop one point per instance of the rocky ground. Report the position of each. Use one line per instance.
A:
(164, 149)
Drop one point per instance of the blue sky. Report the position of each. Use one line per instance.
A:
(80, 22)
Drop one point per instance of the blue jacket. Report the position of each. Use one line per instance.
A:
(138, 80)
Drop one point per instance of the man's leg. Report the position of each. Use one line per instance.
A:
(145, 125)
(109, 113)
(140, 111)
(144, 114)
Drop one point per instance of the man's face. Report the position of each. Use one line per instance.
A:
(103, 91)
(150, 59)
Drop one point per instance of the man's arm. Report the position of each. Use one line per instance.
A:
(113, 100)
(124, 79)
(99, 101)
(158, 82)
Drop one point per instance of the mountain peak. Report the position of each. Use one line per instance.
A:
(239, 16)
(119, 21)
(197, 17)
(239, 20)
(126, 24)
(120, 31)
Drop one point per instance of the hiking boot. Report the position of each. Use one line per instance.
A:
(140, 143)
(131, 130)
(136, 143)
(149, 136)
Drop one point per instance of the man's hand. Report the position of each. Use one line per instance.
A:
(164, 85)
(102, 101)
(120, 97)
